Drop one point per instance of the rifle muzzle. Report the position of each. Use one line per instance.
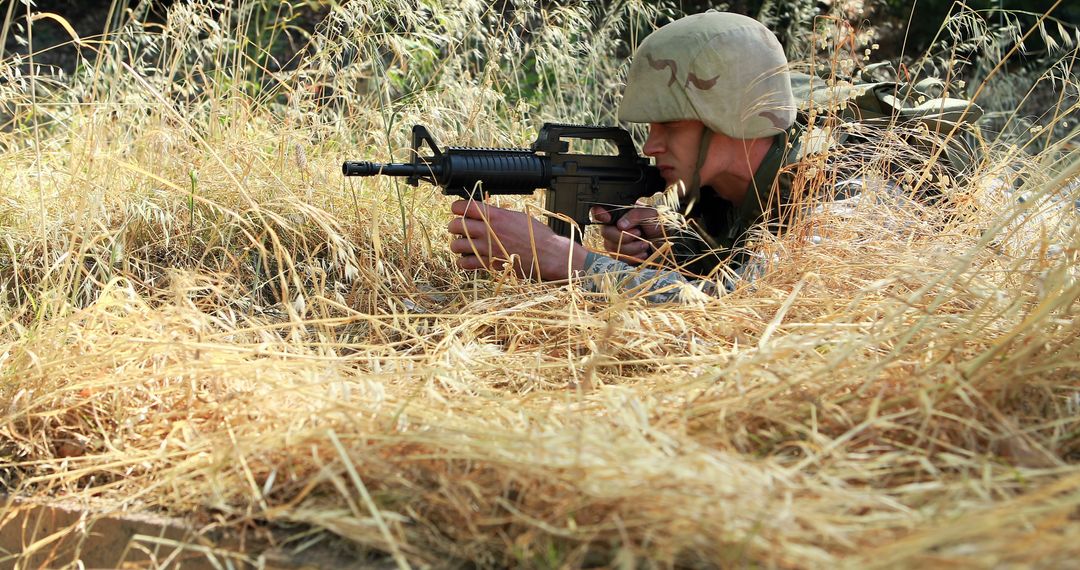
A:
(364, 168)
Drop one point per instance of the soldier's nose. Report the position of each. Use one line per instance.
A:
(653, 146)
(654, 143)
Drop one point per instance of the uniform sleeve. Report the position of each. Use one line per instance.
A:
(603, 273)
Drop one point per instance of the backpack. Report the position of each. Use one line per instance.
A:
(949, 122)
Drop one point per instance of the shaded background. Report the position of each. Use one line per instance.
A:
(278, 34)
(787, 18)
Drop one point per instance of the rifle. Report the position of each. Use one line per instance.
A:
(574, 182)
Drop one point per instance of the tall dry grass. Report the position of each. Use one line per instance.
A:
(202, 318)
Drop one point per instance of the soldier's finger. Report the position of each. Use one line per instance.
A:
(476, 229)
(470, 209)
(637, 217)
(471, 246)
(600, 215)
(636, 248)
(456, 226)
(620, 241)
(614, 234)
(473, 262)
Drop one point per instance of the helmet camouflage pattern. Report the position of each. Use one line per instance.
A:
(725, 70)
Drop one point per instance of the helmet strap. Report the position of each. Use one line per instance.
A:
(693, 192)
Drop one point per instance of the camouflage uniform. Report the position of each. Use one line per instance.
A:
(729, 72)
(717, 230)
(714, 240)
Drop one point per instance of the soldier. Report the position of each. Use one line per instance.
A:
(715, 90)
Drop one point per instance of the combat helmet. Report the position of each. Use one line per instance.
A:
(726, 70)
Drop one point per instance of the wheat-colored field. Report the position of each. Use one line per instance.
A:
(202, 318)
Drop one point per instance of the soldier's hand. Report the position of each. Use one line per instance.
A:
(635, 234)
(488, 237)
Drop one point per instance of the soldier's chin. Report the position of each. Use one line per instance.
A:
(674, 180)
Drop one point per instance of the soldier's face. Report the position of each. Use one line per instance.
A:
(674, 145)
(728, 166)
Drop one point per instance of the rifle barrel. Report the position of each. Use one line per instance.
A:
(364, 168)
